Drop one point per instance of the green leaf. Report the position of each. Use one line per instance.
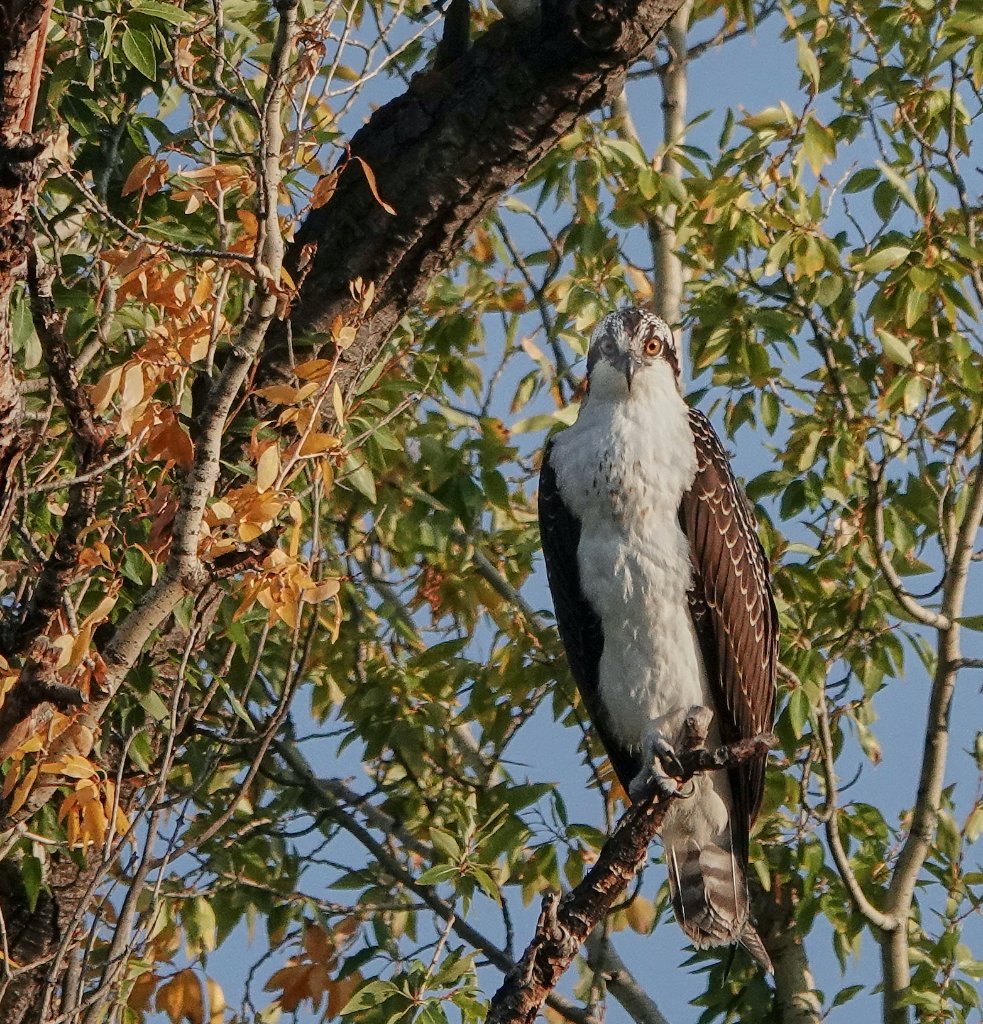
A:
(30, 875)
(439, 873)
(846, 994)
(154, 706)
(894, 348)
(807, 60)
(359, 476)
(888, 258)
(862, 179)
(974, 622)
(371, 995)
(139, 51)
(798, 711)
(162, 11)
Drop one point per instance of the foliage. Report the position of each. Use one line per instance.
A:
(317, 745)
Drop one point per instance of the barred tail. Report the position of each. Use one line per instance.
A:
(709, 896)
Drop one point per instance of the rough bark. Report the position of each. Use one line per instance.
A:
(796, 999)
(22, 29)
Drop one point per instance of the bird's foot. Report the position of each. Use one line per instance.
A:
(659, 765)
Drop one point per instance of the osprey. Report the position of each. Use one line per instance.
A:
(663, 605)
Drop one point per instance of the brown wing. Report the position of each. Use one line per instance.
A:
(578, 624)
(733, 610)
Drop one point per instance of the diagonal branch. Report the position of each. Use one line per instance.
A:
(565, 923)
(329, 795)
(918, 612)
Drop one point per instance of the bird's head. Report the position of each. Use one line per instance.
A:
(631, 343)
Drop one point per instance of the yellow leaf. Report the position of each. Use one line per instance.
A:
(250, 531)
(322, 591)
(641, 915)
(70, 765)
(22, 792)
(339, 405)
(317, 443)
(216, 1002)
(268, 468)
(103, 392)
(133, 387)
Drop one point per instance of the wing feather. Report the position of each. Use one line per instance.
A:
(577, 621)
(733, 610)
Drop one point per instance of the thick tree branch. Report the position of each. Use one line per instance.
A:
(931, 779)
(565, 923)
(443, 152)
(23, 24)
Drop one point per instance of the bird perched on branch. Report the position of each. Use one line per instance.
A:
(664, 605)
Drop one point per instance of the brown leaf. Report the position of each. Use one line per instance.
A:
(324, 190)
(181, 998)
(370, 178)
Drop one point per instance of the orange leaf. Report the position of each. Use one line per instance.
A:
(182, 997)
(139, 173)
(324, 190)
(318, 443)
(370, 178)
(141, 991)
(22, 792)
(318, 944)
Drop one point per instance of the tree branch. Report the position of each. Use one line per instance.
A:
(442, 153)
(565, 923)
(886, 922)
(918, 612)
(604, 960)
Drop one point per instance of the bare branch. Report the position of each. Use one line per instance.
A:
(603, 958)
(918, 612)
(886, 922)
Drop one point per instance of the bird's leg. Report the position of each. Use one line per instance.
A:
(696, 727)
(660, 763)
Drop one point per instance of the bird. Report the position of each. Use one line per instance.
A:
(664, 606)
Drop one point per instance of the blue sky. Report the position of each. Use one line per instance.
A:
(751, 73)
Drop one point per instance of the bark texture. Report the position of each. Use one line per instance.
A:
(22, 27)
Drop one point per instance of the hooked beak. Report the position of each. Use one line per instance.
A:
(630, 368)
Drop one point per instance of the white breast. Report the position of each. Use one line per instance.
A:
(623, 468)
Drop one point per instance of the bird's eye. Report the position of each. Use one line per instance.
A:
(653, 346)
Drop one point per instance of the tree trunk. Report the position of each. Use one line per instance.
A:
(22, 28)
